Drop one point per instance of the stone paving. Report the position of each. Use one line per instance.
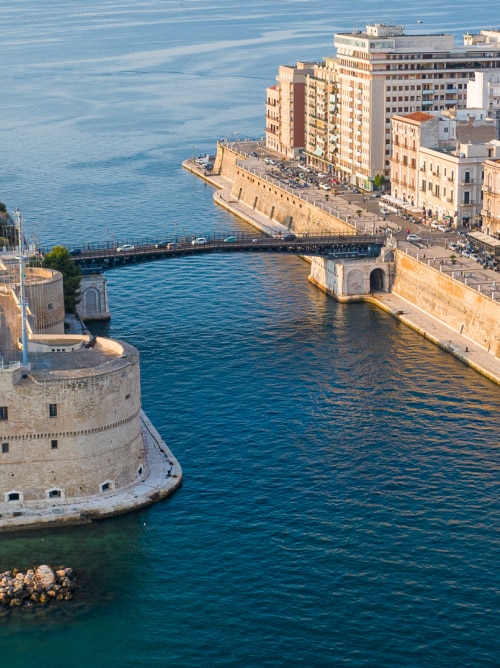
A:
(162, 476)
(431, 328)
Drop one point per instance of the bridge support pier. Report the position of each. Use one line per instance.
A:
(351, 280)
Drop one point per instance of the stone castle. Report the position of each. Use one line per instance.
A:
(74, 442)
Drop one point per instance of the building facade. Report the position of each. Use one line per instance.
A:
(285, 110)
(437, 163)
(321, 131)
(491, 198)
(383, 72)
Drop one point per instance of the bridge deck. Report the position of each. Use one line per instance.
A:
(322, 246)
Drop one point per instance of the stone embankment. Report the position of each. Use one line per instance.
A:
(464, 322)
(37, 586)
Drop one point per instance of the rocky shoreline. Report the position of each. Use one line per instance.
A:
(37, 586)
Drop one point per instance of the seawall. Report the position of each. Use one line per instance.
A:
(456, 317)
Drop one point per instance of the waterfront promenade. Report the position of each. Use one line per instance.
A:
(434, 330)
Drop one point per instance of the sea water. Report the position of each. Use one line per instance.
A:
(340, 503)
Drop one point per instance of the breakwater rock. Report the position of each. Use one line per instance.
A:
(36, 586)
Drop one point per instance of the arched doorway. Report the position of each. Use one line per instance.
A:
(377, 280)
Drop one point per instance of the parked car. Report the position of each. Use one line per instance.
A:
(229, 240)
(325, 186)
(162, 244)
(199, 241)
(125, 248)
(75, 251)
(413, 237)
(289, 237)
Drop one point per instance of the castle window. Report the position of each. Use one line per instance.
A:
(13, 496)
(53, 444)
(5, 448)
(54, 494)
(105, 486)
(50, 306)
(4, 413)
(52, 410)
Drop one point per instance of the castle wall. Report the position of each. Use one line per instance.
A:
(45, 299)
(275, 203)
(96, 431)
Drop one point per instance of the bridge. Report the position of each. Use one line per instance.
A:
(94, 257)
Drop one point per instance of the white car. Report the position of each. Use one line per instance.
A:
(325, 186)
(413, 237)
(125, 248)
(199, 241)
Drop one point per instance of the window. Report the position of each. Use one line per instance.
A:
(466, 198)
(54, 494)
(53, 444)
(4, 413)
(52, 410)
(5, 448)
(13, 496)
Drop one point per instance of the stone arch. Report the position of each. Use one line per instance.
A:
(377, 280)
(355, 282)
(92, 300)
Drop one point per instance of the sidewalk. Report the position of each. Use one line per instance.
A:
(436, 331)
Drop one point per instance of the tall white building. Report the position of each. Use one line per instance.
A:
(383, 72)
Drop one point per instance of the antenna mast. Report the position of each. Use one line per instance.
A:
(22, 291)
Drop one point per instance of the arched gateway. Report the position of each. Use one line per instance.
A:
(377, 280)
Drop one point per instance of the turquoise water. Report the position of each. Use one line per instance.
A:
(341, 496)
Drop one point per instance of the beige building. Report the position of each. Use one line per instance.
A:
(285, 107)
(491, 198)
(321, 131)
(437, 163)
(409, 133)
(383, 72)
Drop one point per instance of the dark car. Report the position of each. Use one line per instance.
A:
(289, 237)
(161, 244)
(75, 251)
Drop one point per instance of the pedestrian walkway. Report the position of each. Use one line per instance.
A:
(439, 333)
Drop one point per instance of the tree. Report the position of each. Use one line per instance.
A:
(379, 181)
(60, 259)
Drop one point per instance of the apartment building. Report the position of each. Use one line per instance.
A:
(285, 110)
(321, 132)
(491, 198)
(437, 163)
(383, 72)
